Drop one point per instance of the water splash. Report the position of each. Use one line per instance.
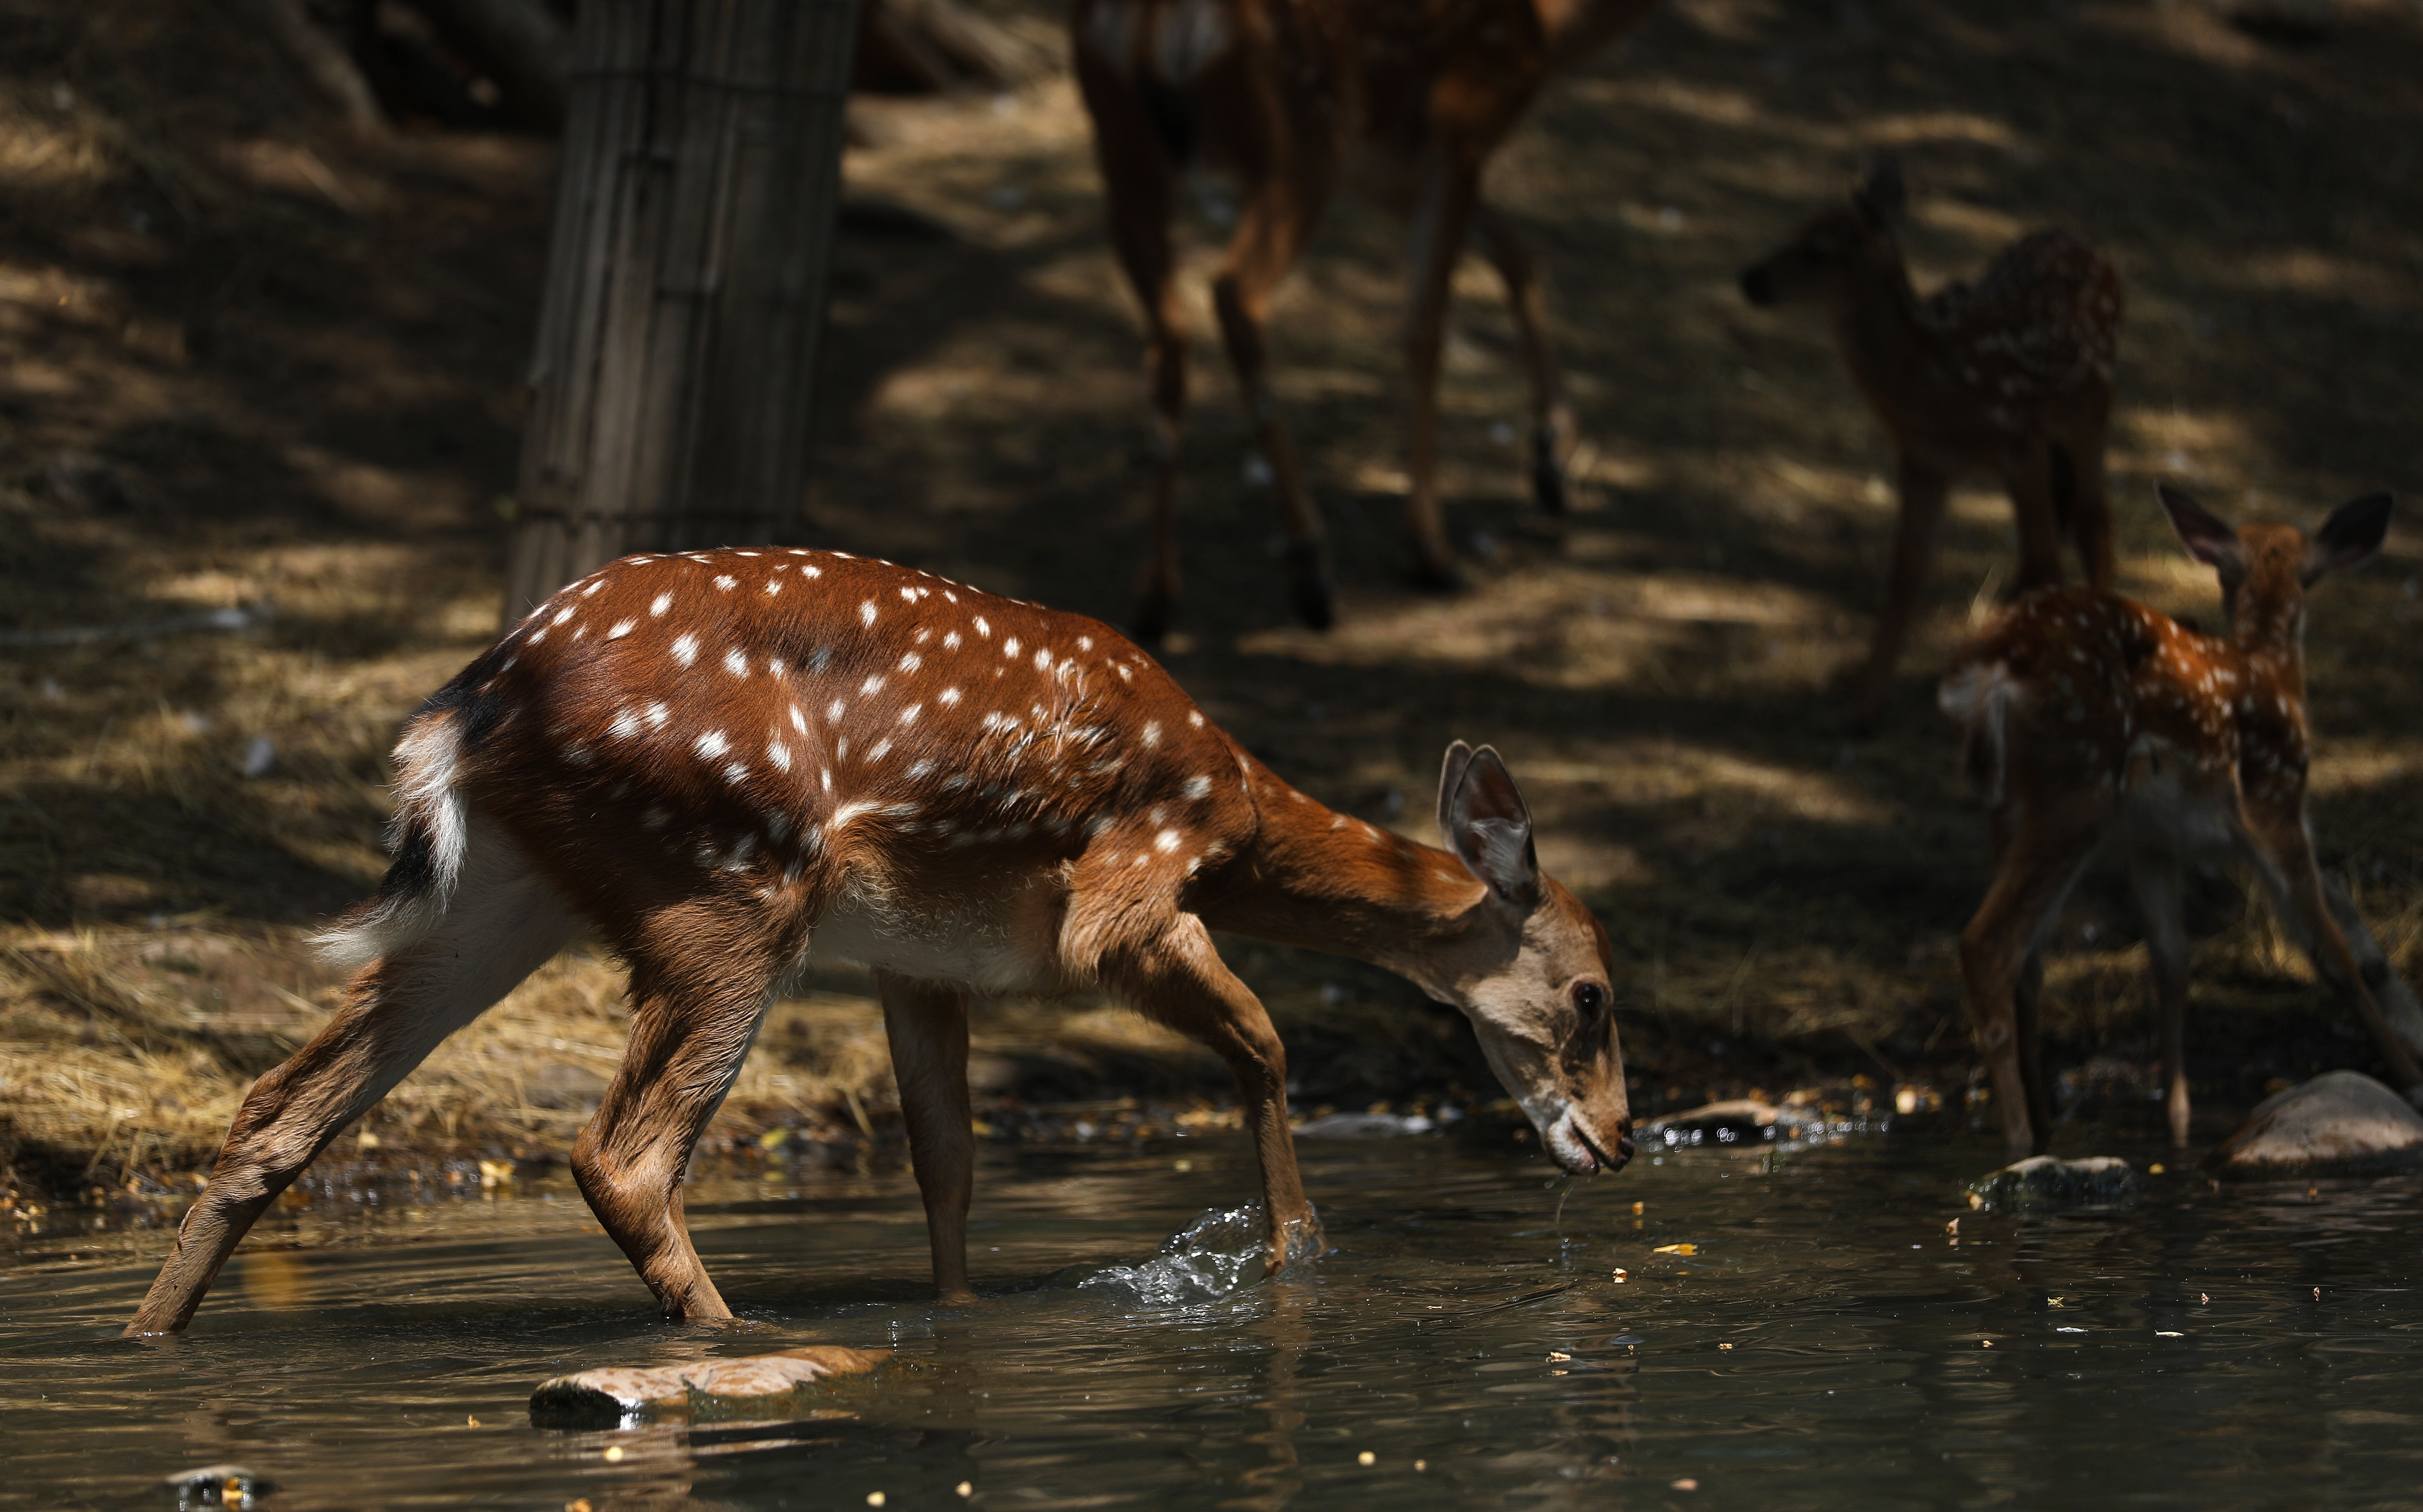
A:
(1216, 1256)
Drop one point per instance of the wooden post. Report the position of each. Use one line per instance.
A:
(685, 285)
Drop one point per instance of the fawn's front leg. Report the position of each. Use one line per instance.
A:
(2155, 881)
(2295, 882)
(1923, 489)
(1180, 979)
(926, 1024)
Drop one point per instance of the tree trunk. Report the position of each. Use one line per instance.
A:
(685, 288)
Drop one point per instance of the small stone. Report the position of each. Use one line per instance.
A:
(626, 1394)
(2042, 1182)
(2341, 1123)
(217, 1486)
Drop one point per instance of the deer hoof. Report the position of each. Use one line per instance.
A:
(1440, 576)
(1149, 623)
(1548, 480)
(1314, 596)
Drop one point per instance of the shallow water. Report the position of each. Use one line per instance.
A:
(1825, 1345)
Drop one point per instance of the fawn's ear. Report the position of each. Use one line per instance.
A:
(1487, 824)
(1459, 756)
(2350, 537)
(1885, 195)
(2208, 537)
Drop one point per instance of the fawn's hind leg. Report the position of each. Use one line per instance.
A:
(703, 973)
(502, 922)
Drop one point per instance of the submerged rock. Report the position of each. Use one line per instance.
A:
(756, 1384)
(2042, 1181)
(217, 1486)
(2341, 1121)
(1742, 1121)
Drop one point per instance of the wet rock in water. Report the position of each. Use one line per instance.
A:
(1742, 1121)
(754, 1385)
(1363, 1127)
(217, 1486)
(2341, 1123)
(2042, 1181)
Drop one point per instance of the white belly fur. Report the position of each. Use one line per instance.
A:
(1001, 944)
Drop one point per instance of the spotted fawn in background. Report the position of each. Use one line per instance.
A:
(2009, 376)
(2090, 719)
(1287, 98)
(717, 762)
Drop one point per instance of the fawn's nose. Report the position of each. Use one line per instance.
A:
(1758, 284)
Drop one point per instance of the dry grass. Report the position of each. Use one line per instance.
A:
(244, 360)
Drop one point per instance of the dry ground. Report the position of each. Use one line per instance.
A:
(248, 362)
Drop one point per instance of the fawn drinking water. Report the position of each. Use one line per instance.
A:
(719, 761)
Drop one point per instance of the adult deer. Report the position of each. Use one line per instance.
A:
(1279, 94)
(2092, 721)
(717, 761)
(2010, 376)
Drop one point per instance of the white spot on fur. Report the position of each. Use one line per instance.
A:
(622, 628)
(712, 744)
(727, 582)
(736, 663)
(662, 602)
(867, 612)
(685, 648)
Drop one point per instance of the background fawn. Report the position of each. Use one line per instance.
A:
(2091, 720)
(2009, 376)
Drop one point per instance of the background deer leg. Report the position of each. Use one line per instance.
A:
(1552, 419)
(1180, 980)
(1923, 489)
(1272, 231)
(1443, 208)
(2027, 473)
(694, 1012)
(2090, 504)
(2159, 903)
(2033, 869)
(1136, 182)
(2295, 883)
(503, 924)
(2027, 997)
(926, 1024)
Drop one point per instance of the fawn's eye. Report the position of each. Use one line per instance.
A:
(1590, 999)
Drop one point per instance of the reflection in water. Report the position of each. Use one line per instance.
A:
(274, 1281)
(1796, 1328)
